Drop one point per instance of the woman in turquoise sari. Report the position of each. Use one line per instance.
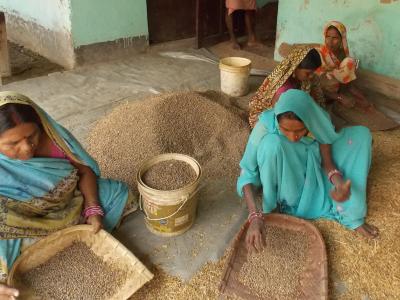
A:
(48, 182)
(283, 157)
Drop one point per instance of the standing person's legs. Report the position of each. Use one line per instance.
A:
(229, 25)
(250, 16)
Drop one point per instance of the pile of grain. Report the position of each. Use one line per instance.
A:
(169, 175)
(213, 132)
(275, 272)
(75, 273)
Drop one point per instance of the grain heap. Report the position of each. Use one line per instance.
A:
(75, 273)
(214, 133)
(169, 175)
(275, 272)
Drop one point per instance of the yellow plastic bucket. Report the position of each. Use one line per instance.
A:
(235, 73)
(169, 213)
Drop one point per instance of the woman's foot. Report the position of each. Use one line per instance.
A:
(254, 44)
(235, 45)
(365, 105)
(368, 231)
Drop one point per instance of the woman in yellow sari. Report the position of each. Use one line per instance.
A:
(48, 182)
(296, 71)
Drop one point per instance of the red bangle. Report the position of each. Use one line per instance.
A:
(254, 215)
(95, 210)
(333, 173)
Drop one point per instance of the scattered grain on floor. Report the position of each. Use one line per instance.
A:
(206, 128)
(75, 273)
(169, 175)
(204, 285)
(275, 272)
(359, 268)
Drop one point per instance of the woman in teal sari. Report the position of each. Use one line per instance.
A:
(48, 182)
(283, 157)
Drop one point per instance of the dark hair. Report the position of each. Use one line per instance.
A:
(311, 61)
(13, 114)
(288, 115)
(337, 30)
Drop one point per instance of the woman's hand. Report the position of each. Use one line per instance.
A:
(345, 100)
(255, 237)
(8, 293)
(96, 221)
(341, 192)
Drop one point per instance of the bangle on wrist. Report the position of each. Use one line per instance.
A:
(254, 215)
(333, 173)
(94, 210)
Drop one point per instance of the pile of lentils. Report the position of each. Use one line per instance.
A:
(275, 272)
(202, 125)
(75, 273)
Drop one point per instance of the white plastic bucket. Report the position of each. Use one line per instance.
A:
(235, 73)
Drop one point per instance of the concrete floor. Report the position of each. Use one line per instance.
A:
(80, 97)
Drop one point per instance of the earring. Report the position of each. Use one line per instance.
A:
(294, 75)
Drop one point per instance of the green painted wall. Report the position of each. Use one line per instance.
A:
(373, 28)
(95, 21)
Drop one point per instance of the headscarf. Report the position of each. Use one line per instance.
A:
(315, 118)
(343, 71)
(262, 100)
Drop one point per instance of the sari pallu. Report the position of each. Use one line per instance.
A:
(40, 195)
(262, 100)
(291, 175)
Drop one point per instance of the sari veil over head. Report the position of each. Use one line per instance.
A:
(262, 100)
(341, 70)
(40, 195)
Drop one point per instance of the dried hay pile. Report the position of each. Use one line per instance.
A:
(369, 269)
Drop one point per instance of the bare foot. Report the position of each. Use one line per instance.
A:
(367, 230)
(254, 44)
(365, 106)
(235, 45)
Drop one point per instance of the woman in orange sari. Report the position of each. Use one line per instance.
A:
(338, 69)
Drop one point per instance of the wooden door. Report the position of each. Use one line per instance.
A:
(171, 20)
(210, 22)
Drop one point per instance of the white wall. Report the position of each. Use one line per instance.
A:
(43, 26)
(51, 14)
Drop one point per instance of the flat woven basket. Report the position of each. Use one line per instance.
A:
(314, 278)
(102, 244)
